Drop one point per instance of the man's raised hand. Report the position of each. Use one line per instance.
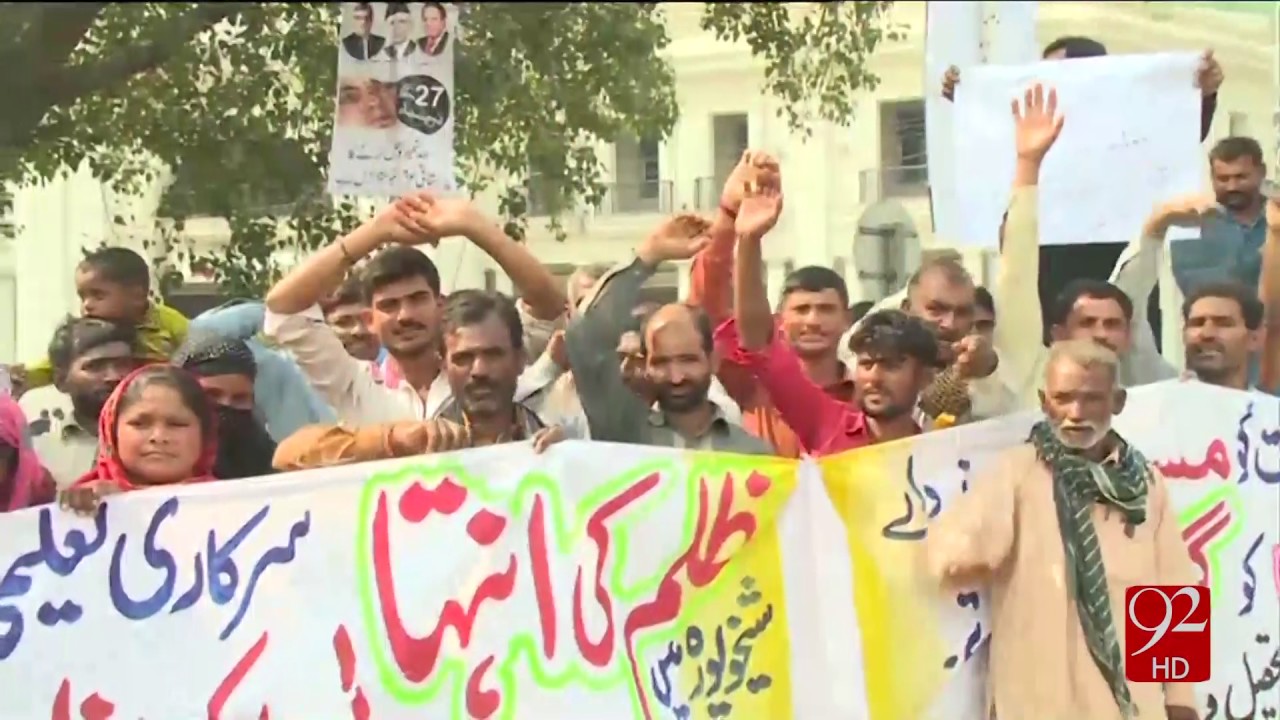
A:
(677, 238)
(1036, 122)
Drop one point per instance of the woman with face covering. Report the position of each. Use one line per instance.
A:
(157, 428)
(226, 370)
(24, 482)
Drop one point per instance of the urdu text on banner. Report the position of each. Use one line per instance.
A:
(595, 581)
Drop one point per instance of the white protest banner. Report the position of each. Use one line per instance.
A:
(596, 581)
(394, 125)
(1131, 140)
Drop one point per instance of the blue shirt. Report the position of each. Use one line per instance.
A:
(1225, 250)
(283, 398)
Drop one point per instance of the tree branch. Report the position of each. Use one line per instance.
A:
(61, 27)
(109, 72)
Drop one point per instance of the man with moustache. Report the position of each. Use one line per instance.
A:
(895, 358)
(484, 356)
(402, 288)
(1086, 307)
(89, 358)
(941, 292)
(1049, 530)
(363, 44)
(1221, 330)
(678, 355)
(345, 311)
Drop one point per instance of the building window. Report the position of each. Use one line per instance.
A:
(729, 138)
(649, 163)
(904, 155)
(639, 187)
(7, 229)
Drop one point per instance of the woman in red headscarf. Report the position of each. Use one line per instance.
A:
(157, 428)
(24, 482)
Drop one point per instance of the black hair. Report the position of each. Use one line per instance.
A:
(982, 298)
(181, 382)
(118, 265)
(815, 278)
(895, 334)
(367, 7)
(472, 307)
(1075, 47)
(1088, 288)
(1251, 308)
(396, 8)
(438, 6)
(859, 310)
(1230, 149)
(350, 292)
(395, 264)
(76, 336)
(701, 322)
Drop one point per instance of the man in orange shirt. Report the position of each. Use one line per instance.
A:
(813, 314)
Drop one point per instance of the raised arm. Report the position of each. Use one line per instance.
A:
(543, 297)
(614, 413)
(1018, 335)
(751, 341)
(711, 275)
(1137, 271)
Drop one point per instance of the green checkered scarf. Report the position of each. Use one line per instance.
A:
(1079, 483)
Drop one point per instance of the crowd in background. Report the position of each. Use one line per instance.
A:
(358, 354)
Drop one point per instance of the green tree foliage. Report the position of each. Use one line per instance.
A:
(238, 99)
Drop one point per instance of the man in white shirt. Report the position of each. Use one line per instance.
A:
(402, 286)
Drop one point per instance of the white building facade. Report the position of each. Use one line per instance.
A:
(856, 196)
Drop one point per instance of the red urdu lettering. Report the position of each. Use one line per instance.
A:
(703, 570)
(481, 703)
(94, 707)
(346, 654)
(665, 606)
(1217, 460)
(233, 679)
(540, 566)
(600, 652)
(1202, 531)
(417, 656)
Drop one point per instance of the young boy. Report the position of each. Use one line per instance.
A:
(113, 283)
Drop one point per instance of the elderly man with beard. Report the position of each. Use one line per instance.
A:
(679, 359)
(1058, 597)
(89, 358)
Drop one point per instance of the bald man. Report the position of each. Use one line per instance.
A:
(678, 366)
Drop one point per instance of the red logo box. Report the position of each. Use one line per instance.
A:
(1166, 633)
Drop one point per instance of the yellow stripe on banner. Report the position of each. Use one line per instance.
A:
(896, 604)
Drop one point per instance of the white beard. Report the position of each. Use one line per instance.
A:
(1096, 433)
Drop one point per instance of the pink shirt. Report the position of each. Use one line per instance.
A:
(822, 424)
